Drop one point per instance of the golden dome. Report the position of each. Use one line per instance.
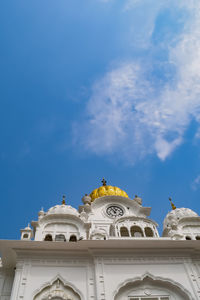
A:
(107, 190)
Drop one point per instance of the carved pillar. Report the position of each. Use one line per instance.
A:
(99, 278)
(193, 276)
(17, 281)
(90, 282)
(24, 277)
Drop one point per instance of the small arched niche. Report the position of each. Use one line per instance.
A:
(136, 231)
(151, 288)
(148, 232)
(48, 237)
(57, 291)
(73, 238)
(124, 232)
(60, 238)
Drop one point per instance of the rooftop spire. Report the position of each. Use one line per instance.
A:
(63, 200)
(103, 182)
(172, 204)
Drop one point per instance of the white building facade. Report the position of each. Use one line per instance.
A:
(109, 249)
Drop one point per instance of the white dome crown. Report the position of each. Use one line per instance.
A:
(63, 209)
(177, 214)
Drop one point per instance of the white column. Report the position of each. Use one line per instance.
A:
(99, 278)
(16, 283)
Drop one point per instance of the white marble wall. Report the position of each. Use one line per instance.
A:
(100, 277)
(6, 282)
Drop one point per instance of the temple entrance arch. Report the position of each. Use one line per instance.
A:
(57, 290)
(149, 287)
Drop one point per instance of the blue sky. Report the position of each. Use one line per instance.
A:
(93, 89)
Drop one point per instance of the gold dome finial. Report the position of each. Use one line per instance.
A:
(104, 182)
(107, 190)
(172, 204)
(63, 200)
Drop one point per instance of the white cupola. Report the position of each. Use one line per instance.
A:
(181, 223)
(60, 223)
(26, 233)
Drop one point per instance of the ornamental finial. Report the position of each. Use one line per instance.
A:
(63, 200)
(103, 182)
(172, 204)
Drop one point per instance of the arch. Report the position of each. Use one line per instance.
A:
(124, 232)
(25, 236)
(188, 238)
(60, 238)
(48, 237)
(198, 237)
(73, 238)
(57, 289)
(148, 232)
(128, 287)
(136, 231)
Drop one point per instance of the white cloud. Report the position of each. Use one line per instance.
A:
(132, 114)
(196, 183)
(130, 4)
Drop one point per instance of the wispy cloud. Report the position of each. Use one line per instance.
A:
(196, 183)
(142, 107)
(130, 4)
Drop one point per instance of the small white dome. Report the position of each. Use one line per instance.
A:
(27, 228)
(177, 214)
(41, 213)
(63, 209)
(86, 199)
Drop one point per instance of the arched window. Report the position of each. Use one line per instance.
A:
(73, 238)
(148, 232)
(158, 289)
(60, 238)
(25, 236)
(57, 291)
(48, 237)
(188, 238)
(136, 231)
(124, 231)
(198, 237)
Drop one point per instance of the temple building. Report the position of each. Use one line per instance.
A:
(108, 249)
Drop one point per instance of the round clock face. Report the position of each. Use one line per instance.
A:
(114, 211)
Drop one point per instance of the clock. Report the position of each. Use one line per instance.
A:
(114, 211)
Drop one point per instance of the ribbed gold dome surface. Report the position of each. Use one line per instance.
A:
(107, 190)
